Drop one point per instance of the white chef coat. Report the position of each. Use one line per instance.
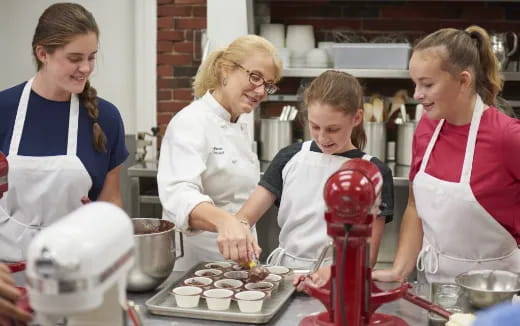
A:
(459, 234)
(204, 158)
(303, 232)
(42, 189)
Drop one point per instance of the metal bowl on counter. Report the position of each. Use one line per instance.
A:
(484, 288)
(155, 253)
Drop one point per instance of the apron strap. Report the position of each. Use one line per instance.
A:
(275, 257)
(472, 140)
(72, 142)
(470, 145)
(21, 114)
(25, 225)
(20, 117)
(429, 149)
(428, 260)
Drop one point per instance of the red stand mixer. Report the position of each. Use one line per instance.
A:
(4, 168)
(352, 195)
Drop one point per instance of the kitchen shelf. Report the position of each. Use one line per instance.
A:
(371, 73)
(515, 104)
(513, 76)
(360, 73)
(149, 199)
(282, 98)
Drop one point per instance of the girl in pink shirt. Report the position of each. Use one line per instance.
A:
(465, 181)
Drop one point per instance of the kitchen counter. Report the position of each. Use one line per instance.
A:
(291, 314)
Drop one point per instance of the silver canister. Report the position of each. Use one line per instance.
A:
(405, 133)
(155, 253)
(376, 139)
(275, 134)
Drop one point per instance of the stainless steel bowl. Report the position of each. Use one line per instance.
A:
(155, 253)
(484, 288)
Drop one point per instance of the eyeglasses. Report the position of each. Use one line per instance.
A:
(257, 80)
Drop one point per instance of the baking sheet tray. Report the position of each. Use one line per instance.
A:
(163, 303)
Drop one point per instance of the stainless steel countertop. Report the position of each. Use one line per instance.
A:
(291, 314)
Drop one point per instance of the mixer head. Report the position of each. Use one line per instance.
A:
(4, 168)
(352, 192)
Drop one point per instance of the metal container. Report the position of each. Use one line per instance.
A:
(371, 55)
(275, 134)
(376, 139)
(405, 133)
(155, 253)
(485, 288)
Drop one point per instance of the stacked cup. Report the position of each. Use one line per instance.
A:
(275, 33)
(299, 40)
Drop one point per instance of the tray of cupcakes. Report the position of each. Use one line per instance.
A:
(225, 291)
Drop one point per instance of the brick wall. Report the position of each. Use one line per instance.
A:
(181, 21)
(179, 26)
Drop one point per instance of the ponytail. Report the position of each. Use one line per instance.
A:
(359, 136)
(208, 76)
(489, 80)
(89, 99)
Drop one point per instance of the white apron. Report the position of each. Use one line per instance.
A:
(42, 189)
(459, 234)
(229, 189)
(303, 232)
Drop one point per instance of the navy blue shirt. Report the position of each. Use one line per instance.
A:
(46, 127)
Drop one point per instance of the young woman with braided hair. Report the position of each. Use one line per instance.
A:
(64, 144)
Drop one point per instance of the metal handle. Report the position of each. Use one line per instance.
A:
(323, 253)
(182, 244)
(515, 44)
(423, 303)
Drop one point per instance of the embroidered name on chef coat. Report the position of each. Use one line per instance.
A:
(218, 150)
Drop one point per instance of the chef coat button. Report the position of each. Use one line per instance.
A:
(234, 161)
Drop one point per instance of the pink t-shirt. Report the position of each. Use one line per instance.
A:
(495, 176)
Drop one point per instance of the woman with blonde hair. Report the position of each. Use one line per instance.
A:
(207, 168)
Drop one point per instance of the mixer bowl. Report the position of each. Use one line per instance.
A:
(155, 253)
(484, 288)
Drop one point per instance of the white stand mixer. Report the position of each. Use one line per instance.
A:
(77, 268)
